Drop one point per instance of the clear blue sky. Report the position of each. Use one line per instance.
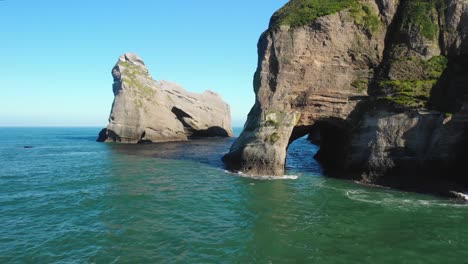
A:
(57, 55)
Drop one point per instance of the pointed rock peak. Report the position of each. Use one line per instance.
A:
(133, 59)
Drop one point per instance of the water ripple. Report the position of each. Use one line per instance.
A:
(71, 200)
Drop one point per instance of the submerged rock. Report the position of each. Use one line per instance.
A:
(460, 195)
(380, 85)
(145, 110)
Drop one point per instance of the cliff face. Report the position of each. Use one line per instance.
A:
(378, 84)
(145, 110)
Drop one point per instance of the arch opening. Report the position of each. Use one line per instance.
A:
(319, 148)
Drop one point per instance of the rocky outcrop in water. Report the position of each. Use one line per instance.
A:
(380, 85)
(145, 110)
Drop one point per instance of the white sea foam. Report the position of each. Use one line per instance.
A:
(263, 177)
(388, 199)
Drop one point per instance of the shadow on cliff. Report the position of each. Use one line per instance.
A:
(437, 164)
(214, 131)
(450, 136)
(345, 148)
(420, 165)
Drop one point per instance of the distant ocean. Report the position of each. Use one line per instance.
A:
(69, 199)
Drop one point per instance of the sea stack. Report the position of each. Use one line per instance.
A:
(380, 85)
(145, 110)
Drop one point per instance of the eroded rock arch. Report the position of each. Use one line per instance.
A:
(390, 83)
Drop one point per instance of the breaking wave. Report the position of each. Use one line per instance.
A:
(263, 177)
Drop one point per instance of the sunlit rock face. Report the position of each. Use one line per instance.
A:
(145, 110)
(379, 85)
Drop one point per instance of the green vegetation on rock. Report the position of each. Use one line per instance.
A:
(410, 93)
(422, 15)
(274, 137)
(274, 119)
(360, 85)
(414, 90)
(271, 123)
(130, 73)
(301, 12)
(435, 66)
(364, 16)
(298, 13)
(138, 103)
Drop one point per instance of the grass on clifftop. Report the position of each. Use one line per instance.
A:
(298, 13)
(419, 15)
(301, 12)
(363, 15)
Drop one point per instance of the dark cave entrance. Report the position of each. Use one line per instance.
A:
(320, 148)
(214, 131)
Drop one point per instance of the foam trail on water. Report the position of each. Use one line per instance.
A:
(263, 177)
(388, 199)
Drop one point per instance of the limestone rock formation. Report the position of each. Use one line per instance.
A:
(145, 110)
(380, 85)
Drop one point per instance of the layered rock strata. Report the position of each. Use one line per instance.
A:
(380, 85)
(145, 110)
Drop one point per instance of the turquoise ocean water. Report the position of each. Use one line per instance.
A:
(69, 199)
